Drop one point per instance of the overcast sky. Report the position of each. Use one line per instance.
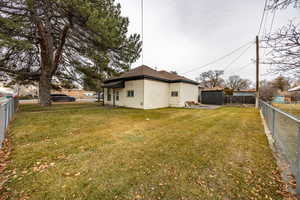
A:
(181, 35)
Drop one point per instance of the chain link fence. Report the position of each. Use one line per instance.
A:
(285, 130)
(8, 107)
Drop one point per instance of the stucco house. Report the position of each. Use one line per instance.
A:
(146, 88)
(295, 89)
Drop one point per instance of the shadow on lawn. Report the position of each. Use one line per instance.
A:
(58, 107)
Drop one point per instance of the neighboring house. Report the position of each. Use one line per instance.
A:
(4, 91)
(20, 90)
(250, 92)
(282, 97)
(295, 94)
(77, 93)
(279, 99)
(146, 88)
(27, 90)
(295, 89)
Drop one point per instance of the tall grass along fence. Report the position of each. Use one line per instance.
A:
(285, 130)
(8, 107)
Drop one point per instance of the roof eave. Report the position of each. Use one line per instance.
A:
(139, 77)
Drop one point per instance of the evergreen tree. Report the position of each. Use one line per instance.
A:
(42, 40)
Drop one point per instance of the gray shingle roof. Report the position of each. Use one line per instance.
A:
(147, 72)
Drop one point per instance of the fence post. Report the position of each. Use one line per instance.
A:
(2, 124)
(5, 115)
(298, 163)
(273, 121)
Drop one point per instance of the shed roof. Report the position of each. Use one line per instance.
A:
(147, 72)
(245, 90)
(213, 89)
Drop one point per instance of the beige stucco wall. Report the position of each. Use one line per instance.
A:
(156, 94)
(174, 101)
(132, 102)
(188, 92)
(151, 94)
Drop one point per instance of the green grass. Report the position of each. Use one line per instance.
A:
(293, 109)
(82, 151)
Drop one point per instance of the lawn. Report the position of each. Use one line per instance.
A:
(290, 108)
(83, 151)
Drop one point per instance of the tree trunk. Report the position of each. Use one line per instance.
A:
(44, 90)
(103, 103)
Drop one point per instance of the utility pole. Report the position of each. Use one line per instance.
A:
(257, 72)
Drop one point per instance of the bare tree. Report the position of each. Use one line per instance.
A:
(235, 82)
(284, 44)
(284, 55)
(267, 91)
(281, 4)
(211, 79)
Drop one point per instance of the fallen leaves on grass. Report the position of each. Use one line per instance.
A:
(4, 177)
(75, 174)
(39, 167)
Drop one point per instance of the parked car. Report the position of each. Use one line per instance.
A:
(62, 98)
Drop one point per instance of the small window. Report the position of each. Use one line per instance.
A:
(117, 96)
(108, 95)
(130, 93)
(174, 94)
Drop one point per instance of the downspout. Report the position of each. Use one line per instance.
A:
(103, 96)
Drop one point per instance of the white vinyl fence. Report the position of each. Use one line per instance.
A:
(8, 107)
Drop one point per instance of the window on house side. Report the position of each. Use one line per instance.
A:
(174, 94)
(130, 93)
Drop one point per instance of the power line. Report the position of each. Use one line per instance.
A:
(243, 67)
(264, 29)
(218, 59)
(272, 23)
(263, 17)
(237, 58)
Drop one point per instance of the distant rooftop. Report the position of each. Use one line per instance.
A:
(246, 90)
(221, 89)
(295, 89)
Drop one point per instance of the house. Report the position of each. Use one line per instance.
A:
(77, 93)
(282, 97)
(295, 94)
(250, 92)
(146, 88)
(5, 91)
(295, 89)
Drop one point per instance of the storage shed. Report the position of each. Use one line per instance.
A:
(212, 96)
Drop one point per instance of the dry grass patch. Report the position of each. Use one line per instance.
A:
(293, 109)
(84, 151)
